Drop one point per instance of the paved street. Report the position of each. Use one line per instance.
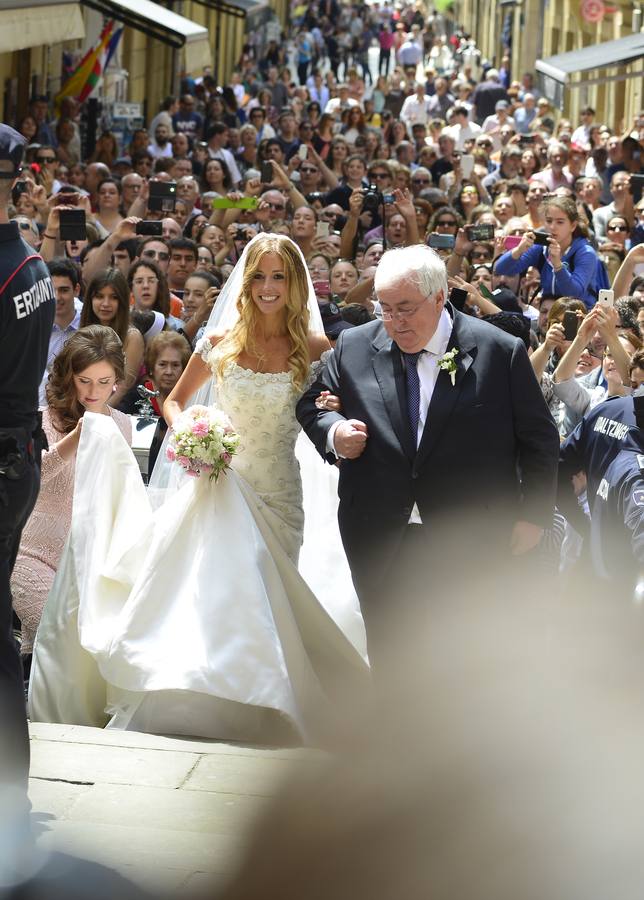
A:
(167, 813)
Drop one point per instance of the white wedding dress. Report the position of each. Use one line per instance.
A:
(193, 618)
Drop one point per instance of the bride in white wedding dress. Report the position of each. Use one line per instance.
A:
(192, 618)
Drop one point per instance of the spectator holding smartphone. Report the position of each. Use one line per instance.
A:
(568, 262)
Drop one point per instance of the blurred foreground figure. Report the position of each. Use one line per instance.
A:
(505, 764)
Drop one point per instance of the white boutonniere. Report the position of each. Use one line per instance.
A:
(447, 362)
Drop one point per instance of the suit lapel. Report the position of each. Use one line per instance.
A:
(445, 393)
(387, 366)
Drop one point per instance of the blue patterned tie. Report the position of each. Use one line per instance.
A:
(413, 391)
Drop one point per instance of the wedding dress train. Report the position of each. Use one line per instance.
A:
(193, 618)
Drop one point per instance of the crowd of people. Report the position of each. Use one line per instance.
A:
(366, 129)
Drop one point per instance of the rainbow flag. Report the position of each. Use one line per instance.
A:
(90, 69)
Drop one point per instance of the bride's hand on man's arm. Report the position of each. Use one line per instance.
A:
(328, 401)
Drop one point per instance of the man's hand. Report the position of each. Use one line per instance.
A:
(525, 537)
(350, 438)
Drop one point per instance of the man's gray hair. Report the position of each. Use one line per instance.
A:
(418, 265)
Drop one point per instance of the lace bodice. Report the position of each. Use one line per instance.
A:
(261, 408)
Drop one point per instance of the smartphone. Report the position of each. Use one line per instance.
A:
(542, 238)
(149, 227)
(467, 165)
(302, 151)
(163, 196)
(388, 198)
(526, 140)
(511, 241)
(266, 173)
(441, 241)
(458, 298)
(20, 187)
(606, 298)
(322, 230)
(339, 223)
(72, 225)
(571, 325)
(321, 288)
(480, 232)
(636, 181)
(484, 290)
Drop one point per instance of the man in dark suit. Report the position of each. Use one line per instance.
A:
(448, 451)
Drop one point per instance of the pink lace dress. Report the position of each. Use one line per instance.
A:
(46, 531)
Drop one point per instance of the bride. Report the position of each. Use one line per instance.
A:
(192, 618)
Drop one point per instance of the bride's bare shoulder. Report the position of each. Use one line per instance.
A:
(318, 344)
(215, 337)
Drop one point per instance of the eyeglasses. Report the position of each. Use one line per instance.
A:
(139, 282)
(308, 170)
(379, 175)
(276, 206)
(41, 160)
(593, 352)
(403, 313)
(156, 254)
(420, 181)
(446, 223)
(616, 228)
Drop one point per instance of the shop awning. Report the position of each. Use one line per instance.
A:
(162, 24)
(238, 8)
(30, 24)
(597, 56)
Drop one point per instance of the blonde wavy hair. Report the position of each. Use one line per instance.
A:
(241, 338)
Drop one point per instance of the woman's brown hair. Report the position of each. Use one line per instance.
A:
(93, 344)
(161, 342)
(568, 207)
(114, 279)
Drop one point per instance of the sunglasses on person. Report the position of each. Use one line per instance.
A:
(308, 170)
(446, 223)
(420, 181)
(480, 254)
(276, 206)
(43, 160)
(156, 254)
(379, 175)
(617, 228)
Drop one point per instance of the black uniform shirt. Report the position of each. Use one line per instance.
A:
(617, 520)
(27, 310)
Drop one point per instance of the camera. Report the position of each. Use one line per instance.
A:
(372, 199)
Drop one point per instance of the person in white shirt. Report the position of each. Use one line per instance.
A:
(161, 146)
(217, 139)
(460, 127)
(415, 109)
(492, 125)
(343, 101)
(581, 135)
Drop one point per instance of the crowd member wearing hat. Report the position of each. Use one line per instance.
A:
(27, 310)
(333, 322)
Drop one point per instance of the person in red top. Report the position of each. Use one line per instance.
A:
(386, 39)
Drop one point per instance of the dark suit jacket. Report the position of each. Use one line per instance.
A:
(488, 455)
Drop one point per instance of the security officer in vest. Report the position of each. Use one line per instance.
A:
(591, 447)
(27, 308)
(617, 512)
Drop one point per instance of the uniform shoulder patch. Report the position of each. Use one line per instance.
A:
(638, 497)
(640, 461)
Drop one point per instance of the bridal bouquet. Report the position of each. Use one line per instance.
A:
(202, 440)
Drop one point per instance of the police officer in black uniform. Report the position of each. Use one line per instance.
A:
(617, 516)
(27, 308)
(591, 447)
